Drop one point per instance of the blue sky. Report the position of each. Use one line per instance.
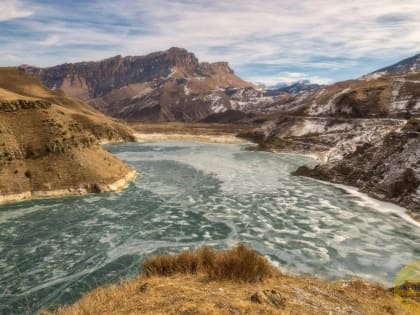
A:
(264, 41)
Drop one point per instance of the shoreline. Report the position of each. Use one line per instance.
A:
(374, 203)
(204, 138)
(115, 186)
(161, 136)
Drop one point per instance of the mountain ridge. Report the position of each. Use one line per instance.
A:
(410, 64)
(163, 86)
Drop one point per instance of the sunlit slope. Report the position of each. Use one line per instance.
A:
(49, 142)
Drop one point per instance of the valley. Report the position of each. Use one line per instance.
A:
(202, 140)
(191, 194)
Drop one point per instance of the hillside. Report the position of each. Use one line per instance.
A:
(170, 85)
(235, 281)
(411, 64)
(49, 143)
(387, 169)
(369, 97)
(358, 129)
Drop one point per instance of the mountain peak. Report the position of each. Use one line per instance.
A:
(178, 50)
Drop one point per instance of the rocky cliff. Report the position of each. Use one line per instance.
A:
(388, 168)
(170, 85)
(360, 130)
(49, 143)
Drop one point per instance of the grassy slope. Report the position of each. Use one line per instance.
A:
(236, 281)
(56, 147)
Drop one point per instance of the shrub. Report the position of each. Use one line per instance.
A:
(237, 264)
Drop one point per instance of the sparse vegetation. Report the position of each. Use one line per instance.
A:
(206, 281)
(237, 264)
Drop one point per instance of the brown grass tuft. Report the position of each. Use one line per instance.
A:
(237, 264)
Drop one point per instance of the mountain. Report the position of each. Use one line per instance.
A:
(49, 143)
(382, 96)
(170, 85)
(411, 64)
(293, 88)
(358, 129)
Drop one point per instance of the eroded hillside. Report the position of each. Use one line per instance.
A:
(170, 85)
(49, 144)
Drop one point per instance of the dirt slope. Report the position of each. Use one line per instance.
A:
(49, 143)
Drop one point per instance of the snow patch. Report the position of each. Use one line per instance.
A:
(142, 93)
(187, 90)
(373, 76)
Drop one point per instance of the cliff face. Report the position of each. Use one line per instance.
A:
(163, 86)
(49, 144)
(387, 169)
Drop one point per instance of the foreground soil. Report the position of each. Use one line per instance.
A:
(225, 285)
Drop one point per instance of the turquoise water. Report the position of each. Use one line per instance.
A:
(190, 194)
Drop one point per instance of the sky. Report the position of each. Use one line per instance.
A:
(267, 41)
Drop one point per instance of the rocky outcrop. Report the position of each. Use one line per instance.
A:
(17, 105)
(170, 85)
(328, 138)
(388, 169)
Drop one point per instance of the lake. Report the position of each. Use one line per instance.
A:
(187, 195)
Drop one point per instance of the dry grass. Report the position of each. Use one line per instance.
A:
(210, 282)
(237, 264)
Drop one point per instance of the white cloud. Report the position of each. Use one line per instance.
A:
(320, 35)
(13, 9)
(51, 40)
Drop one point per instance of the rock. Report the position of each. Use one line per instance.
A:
(270, 297)
(144, 287)
(388, 169)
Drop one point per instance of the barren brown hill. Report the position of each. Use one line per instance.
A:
(49, 143)
(170, 85)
